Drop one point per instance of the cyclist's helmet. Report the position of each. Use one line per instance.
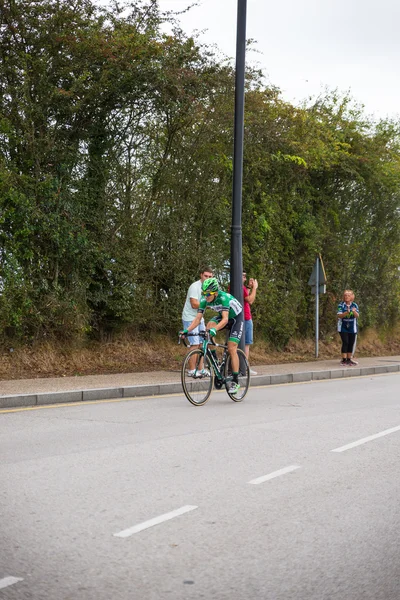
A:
(210, 285)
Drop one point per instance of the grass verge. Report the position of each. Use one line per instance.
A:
(130, 355)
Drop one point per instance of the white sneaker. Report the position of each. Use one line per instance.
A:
(202, 373)
(253, 372)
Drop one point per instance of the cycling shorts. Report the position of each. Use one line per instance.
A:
(235, 326)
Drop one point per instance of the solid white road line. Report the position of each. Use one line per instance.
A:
(156, 521)
(366, 439)
(274, 474)
(6, 581)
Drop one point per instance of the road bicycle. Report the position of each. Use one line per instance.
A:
(211, 370)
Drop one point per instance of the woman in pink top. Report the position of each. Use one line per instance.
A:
(249, 295)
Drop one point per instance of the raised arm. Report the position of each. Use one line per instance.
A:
(253, 291)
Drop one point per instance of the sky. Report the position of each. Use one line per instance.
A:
(305, 47)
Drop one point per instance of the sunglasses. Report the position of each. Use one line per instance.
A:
(208, 294)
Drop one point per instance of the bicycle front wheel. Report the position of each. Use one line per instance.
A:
(197, 377)
(244, 377)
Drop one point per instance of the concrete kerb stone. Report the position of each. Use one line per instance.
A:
(171, 388)
(317, 375)
(102, 394)
(260, 380)
(381, 369)
(367, 371)
(175, 388)
(59, 397)
(282, 378)
(143, 390)
(338, 373)
(298, 377)
(353, 372)
(16, 401)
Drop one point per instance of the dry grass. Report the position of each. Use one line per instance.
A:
(162, 353)
(53, 360)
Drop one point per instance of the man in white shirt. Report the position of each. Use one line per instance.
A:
(189, 312)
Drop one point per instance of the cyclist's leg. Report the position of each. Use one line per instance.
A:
(235, 335)
(214, 321)
(232, 349)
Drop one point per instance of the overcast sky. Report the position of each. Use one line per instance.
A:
(352, 45)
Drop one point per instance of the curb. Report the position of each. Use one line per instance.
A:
(138, 391)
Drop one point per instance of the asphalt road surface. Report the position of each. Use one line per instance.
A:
(292, 494)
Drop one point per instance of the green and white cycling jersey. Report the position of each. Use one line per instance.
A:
(221, 303)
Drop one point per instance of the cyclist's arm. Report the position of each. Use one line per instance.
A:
(196, 322)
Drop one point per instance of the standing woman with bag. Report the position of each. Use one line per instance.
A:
(348, 314)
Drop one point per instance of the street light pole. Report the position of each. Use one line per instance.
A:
(236, 283)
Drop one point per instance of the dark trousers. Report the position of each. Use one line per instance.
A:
(348, 341)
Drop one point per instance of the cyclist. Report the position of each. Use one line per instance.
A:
(230, 315)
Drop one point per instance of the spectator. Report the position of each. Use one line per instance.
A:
(348, 314)
(249, 295)
(189, 312)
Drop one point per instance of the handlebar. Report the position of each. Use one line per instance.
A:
(203, 334)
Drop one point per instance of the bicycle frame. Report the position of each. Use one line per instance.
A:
(218, 369)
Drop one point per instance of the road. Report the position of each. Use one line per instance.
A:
(291, 495)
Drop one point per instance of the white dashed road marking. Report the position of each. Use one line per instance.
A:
(7, 581)
(366, 439)
(156, 521)
(274, 474)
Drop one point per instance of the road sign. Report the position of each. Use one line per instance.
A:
(318, 274)
(322, 289)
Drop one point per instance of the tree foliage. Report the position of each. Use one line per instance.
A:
(116, 144)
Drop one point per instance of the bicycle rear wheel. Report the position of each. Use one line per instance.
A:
(244, 377)
(197, 386)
